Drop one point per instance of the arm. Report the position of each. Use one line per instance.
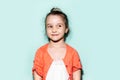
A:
(36, 76)
(77, 75)
(77, 67)
(37, 69)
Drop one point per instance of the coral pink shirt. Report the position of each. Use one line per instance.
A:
(43, 60)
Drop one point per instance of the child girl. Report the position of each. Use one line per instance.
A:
(56, 60)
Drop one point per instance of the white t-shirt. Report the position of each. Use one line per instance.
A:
(57, 71)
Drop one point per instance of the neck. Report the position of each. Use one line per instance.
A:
(57, 44)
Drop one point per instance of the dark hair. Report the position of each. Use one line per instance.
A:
(57, 11)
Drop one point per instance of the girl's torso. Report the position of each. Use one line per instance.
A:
(69, 62)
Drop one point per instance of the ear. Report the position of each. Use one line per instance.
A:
(66, 30)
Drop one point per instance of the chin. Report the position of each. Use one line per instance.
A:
(56, 40)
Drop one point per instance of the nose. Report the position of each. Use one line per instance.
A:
(54, 29)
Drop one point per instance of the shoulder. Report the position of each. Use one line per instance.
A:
(71, 49)
(41, 49)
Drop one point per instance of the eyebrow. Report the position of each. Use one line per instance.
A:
(48, 24)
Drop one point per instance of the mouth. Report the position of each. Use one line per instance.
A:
(54, 34)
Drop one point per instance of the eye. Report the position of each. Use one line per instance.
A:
(49, 26)
(59, 25)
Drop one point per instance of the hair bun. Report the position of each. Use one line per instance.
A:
(56, 9)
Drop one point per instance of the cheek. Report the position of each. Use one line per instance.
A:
(48, 31)
(61, 31)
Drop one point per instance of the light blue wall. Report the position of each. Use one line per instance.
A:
(95, 33)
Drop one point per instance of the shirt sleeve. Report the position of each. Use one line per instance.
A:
(76, 62)
(38, 63)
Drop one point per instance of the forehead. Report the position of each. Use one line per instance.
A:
(51, 18)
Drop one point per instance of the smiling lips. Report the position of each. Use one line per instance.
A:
(54, 34)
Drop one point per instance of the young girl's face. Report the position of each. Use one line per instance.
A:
(55, 27)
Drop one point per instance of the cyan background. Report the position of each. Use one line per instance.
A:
(95, 33)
